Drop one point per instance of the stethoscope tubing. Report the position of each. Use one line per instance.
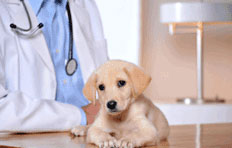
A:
(70, 53)
(13, 26)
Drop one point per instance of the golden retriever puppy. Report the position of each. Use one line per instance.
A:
(126, 118)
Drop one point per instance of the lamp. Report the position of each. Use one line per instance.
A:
(190, 17)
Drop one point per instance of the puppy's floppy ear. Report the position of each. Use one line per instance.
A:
(89, 89)
(139, 79)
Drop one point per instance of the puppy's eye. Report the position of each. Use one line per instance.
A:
(121, 83)
(101, 87)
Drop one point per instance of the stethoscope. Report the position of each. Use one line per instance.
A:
(71, 65)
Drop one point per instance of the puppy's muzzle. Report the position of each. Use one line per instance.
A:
(112, 106)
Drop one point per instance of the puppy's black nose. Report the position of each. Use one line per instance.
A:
(112, 104)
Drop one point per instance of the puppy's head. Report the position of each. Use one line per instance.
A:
(117, 83)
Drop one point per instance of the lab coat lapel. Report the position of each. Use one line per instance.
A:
(37, 40)
(42, 48)
(81, 38)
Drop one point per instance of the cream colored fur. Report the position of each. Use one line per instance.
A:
(137, 122)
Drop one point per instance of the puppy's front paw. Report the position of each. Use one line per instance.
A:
(79, 131)
(125, 143)
(111, 143)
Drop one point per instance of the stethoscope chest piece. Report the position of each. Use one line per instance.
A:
(71, 67)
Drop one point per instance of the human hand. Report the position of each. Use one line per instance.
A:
(91, 111)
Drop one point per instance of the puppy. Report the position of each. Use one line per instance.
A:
(126, 118)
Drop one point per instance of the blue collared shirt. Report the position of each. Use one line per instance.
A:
(52, 13)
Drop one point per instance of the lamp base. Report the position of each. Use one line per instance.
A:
(203, 101)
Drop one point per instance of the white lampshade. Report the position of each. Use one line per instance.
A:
(189, 12)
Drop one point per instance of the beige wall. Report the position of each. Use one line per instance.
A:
(171, 60)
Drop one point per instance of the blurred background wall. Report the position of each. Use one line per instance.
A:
(135, 34)
(171, 60)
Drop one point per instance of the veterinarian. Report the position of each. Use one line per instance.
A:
(48, 49)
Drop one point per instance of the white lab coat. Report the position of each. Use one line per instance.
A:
(27, 76)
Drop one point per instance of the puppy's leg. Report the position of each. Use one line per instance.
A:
(158, 119)
(145, 134)
(80, 130)
(100, 138)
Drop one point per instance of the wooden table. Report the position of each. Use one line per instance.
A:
(186, 136)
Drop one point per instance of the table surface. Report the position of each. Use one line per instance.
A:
(184, 136)
(174, 101)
